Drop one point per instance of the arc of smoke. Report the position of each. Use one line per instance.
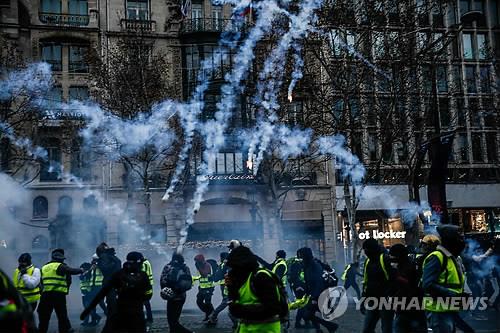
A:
(213, 130)
(300, 26)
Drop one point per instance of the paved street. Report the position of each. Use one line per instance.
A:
(350, 322)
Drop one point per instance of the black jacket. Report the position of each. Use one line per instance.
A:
(169, 276)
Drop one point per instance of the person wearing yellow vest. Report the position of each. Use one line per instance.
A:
(378, 276)
(97, 282)
(349, 277)
(56, 280)
(16, 315)
(148, 269)
(205, 285)
(278, 266)
(253, 294)
(443, 277)
(86, 290)
(26, 279)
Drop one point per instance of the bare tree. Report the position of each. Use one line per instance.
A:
(129, 80)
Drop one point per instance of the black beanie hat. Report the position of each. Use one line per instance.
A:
(25, 258)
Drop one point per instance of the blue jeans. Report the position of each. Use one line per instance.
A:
(441, 322)
(372, 317)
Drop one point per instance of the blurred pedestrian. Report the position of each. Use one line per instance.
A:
(378, 276)
(443, 277)
(349, 276)
(406, 285)
(175, 281)
(56, 280)
(205, 285)
(26, 279)
(314, 285)
(132, 288)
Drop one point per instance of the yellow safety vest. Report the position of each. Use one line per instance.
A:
(86, 285)
(449, 278)
(52, 281)
(281, 262)
(344, 275)
(247, 297)
(146, 268)
(31, 295)
(97, 278)
(382, 265)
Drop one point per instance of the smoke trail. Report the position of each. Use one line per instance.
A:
(299, 27)
(213, 130)
(35, 79)
(297, 71)
(23, 143)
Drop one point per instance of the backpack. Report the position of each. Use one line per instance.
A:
(181, 280)
(329, 276)
(283, 297)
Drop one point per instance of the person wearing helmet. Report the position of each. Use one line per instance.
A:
(132, 287)
(26, 279)
(56, 280)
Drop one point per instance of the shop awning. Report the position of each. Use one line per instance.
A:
(302, 211)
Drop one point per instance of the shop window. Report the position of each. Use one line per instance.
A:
(78, 7)
(470, 78)
(478, 221)
(491, 147)
(228, 163)
(77, 63)
(51, 6)
(78, 93)
(477, 154)
(81, 161)
(467, 45)
(484, 78)
(138, 10)
(40, 243)
(50, 168)
(462, 147)
(474, 114)
(52, 54)
(40, 208)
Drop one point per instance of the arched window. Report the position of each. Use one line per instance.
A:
(90, 202)
(40, 208)
(40, 243)
(65, 205)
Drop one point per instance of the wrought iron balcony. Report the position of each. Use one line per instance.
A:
(205, 25)
(138, 25)
(64, 19)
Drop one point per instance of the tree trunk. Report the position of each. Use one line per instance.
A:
(350, 200)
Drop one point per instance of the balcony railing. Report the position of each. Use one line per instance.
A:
(64, 19)
(205, 25)
(138, 25)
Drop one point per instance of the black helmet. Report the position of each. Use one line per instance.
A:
(135, 257)
(58, 254)
(25, 258)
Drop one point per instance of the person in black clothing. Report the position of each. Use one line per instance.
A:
(406, 286)
(377, 276)
(243, 266)
(175, 288)
(350, 278)
(108, 263)
(133, 288)
(56, 280)
(314, 285)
